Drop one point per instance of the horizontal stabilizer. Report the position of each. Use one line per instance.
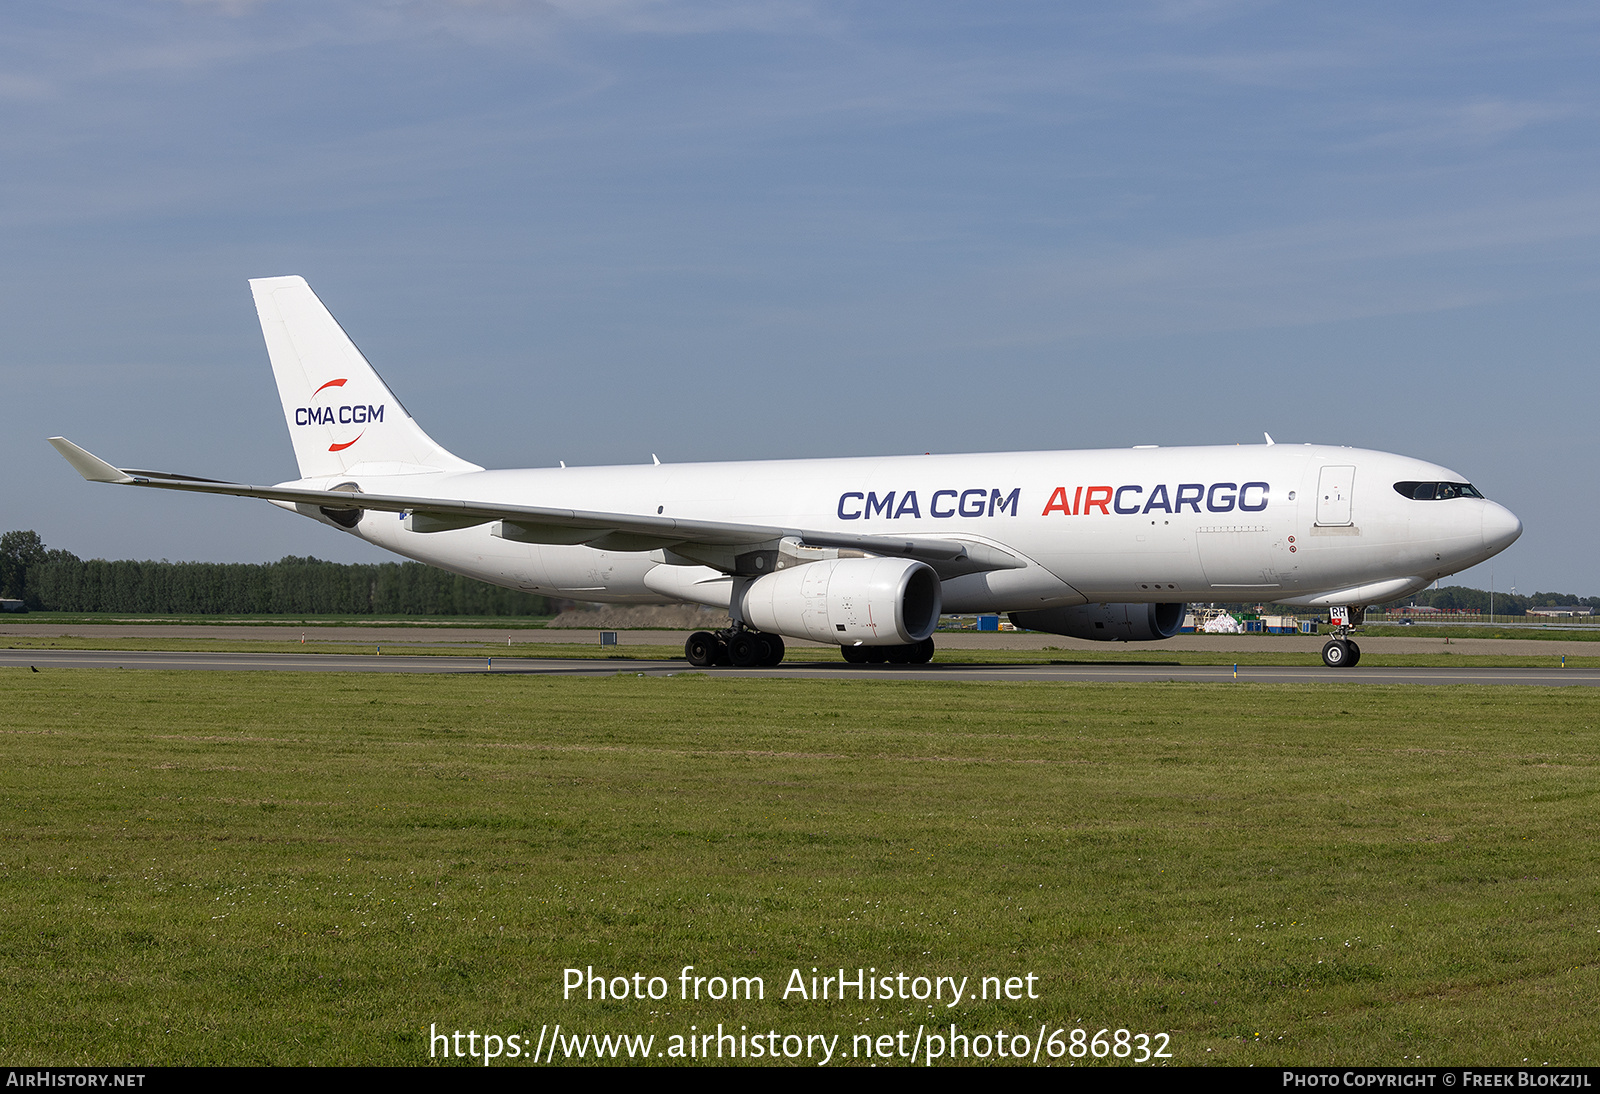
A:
(87, 464)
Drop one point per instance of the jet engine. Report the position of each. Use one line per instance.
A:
(1106, 622)
(846, 601)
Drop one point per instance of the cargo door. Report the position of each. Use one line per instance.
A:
(1334, 487)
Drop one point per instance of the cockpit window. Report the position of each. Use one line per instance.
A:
(1436, 491)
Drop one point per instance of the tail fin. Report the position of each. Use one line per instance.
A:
(340, 412)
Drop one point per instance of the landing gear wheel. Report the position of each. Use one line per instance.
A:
(774, 653)
(744, 651)
(1337, 654)
(701, 649)
(1355, 654)
(922, 652)
(875, 655)
(856, 655)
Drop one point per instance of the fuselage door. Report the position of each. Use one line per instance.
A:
(1334, 487)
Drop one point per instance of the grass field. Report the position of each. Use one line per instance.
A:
(268, 868)
(1542, 632)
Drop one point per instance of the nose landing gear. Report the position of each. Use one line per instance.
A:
(1341, 652)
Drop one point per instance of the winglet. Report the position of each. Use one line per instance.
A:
(87, 464)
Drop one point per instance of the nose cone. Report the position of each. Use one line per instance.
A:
(1500, 528)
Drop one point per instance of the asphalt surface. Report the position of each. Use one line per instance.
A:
(47, 660)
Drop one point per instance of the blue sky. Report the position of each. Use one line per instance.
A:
(593, 231)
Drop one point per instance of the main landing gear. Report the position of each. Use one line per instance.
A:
(736, 645)
(917, 653)
(743, 648)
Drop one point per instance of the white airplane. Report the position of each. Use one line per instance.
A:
(865, 553)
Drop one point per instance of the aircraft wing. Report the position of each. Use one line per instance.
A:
(540, 524)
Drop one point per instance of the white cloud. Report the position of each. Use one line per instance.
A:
(1476, 122)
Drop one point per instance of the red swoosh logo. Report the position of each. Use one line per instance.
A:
(331, 383)
(347, 444)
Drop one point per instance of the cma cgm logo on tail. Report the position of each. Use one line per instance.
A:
(344, 414)
(1217, 497)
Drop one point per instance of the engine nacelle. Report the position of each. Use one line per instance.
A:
(1107, 622)
(846, 601)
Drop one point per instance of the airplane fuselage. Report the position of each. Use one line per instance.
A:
(1273, 523)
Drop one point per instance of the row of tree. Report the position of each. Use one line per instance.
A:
(1460, 598)
(56, 580)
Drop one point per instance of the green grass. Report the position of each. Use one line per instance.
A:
(1540, 632)
(261, 868)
